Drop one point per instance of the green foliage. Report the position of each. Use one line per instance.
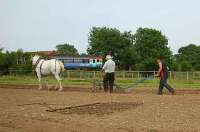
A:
(189, 57)
(103, 40)
(173, 64)
(147, 65)
(185, 66)
(66, 49)
(150, 44)
(15, 60)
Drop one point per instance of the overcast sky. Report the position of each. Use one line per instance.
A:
(35, 25)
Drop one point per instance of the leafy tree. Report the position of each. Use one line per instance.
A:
(174, 65)
(146, 65)
(66, 49)
(189, 55)
(17, 60)
(185, 66)
(150, 44)
(102, 40)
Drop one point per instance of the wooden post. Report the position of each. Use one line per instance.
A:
(94, 74)
(170, 74)
(187, 75)
(68, 74)
(123, 74)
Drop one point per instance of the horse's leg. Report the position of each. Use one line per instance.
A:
(46, 83)
(59, 81)
(39, 79)
(56, 87)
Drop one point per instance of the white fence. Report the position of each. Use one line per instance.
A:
(132, 74)
(83, 74)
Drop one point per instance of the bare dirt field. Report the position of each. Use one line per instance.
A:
(30, 110)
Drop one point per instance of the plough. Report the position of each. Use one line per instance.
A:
(98, 85)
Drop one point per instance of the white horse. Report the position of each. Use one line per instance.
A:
(46, 67)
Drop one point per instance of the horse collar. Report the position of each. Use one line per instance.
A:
(37, 62)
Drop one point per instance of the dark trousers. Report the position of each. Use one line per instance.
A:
(108, 80)
(163, 83)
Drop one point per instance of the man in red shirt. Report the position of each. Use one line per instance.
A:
(163, 74)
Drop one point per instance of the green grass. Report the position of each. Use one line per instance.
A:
(32, 80)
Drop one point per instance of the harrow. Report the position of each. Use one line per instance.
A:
(98, 85)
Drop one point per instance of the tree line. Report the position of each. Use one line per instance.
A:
(131, 51)
(139, 51)
(17, 60)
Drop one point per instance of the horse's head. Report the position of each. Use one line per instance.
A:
(34, 59)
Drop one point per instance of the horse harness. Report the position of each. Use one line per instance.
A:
(59, 65)
(37, 62)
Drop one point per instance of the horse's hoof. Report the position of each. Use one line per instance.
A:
(40, 87)
(48, 88)
(60, 90)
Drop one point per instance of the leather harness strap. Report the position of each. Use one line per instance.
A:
(34, 66)
(61, 70)
(37, 62)
(59, 65)
(41, 67)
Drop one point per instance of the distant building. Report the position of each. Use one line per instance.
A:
(45, 53)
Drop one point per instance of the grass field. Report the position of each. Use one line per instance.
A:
(153, 83)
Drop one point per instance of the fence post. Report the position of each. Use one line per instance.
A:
(123, 74)
(131, 75)
(170, 74)
(138, 74)
(68, 74)
(187, 75)
(94, 74)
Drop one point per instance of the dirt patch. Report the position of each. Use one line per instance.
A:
(97, 108)
(28, 110)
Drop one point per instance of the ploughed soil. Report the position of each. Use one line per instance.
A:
(26, 109)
